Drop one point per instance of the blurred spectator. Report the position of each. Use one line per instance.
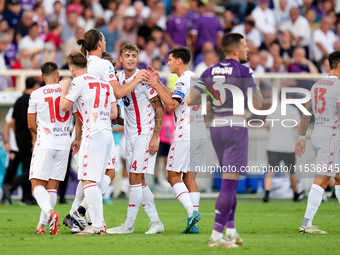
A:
(87, 20)
(249, 31)
(12, 48)
(69, 28)
(177, 26)
(264, 59)
(149, 53)
(128, 33)
(159, 7)
(4, 81)
(146, 11)
(300, 64)
(48, 54)
(144, 32)
(264, 18)
(282, 13)
(135, 11)
(71, 44)
(23, 61)
(210, 58)
(97, 10)
(13, 12)
(238, 7)
(286, 47)
(58, 13)
(111, 34)
(229, 21)
(324, 40)
(158, 66)
(54, 35)
(310, 16)
(278, 66)
(21, 29)
(207, 46)
(299, 27)
(31, 42)
(254, 63)
(164, 54)
(324, 66)
(206, 28)
(309, 4)
(158, 35)
(112, 6)
(39, 18)
(192, 13)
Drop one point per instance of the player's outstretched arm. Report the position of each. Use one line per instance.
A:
(121, 91)
(154, 142)
(65, 104)
(300, 144)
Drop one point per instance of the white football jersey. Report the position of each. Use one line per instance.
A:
(53, 131)
(93, 98)
(325, 96)
(101, 68)
(187, 117)
(139, 113)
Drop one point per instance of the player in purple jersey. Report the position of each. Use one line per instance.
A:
(230, 141)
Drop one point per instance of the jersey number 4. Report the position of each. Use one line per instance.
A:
(55, 106)
(97, 85)
(319, 95)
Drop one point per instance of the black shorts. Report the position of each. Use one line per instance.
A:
(164, 149)
(288, 158)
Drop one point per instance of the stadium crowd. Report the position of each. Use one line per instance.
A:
(283, 35)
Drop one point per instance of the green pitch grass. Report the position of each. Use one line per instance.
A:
(266, 229)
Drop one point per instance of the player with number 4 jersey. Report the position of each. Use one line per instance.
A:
(51, 150)
(325, 105)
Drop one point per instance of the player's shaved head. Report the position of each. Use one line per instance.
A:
(128, 47)
(230, 42)
(49, 69)
(77, 59)
(334, 59)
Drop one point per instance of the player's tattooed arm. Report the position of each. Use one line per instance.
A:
(257, 99)
(159, 115)
(300, 144)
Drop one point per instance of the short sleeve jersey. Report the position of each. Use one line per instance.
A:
(325, 96)
(226, 72)
(53, 131)
(139, 113)
(93, 98)
(101, 68)
(189, 121)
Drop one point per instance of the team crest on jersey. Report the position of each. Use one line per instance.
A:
(95, 116)
(47, 131)
(126, 101)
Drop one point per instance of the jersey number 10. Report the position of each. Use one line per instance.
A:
(56, 114)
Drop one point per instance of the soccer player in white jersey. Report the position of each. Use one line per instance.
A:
(184, 144)
(96, 106)
(51, 150)
(325, 103)
(144, 114)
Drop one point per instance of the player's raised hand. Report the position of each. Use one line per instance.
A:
(300, 147)
(153, 73)
(65, 84)
(142, 75)
(75, 145)
(152, 82)
(153, 145)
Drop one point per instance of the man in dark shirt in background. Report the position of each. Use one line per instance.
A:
(25, 142)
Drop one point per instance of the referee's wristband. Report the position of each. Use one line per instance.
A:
(302, 137)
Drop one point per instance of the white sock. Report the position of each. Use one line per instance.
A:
(337, 192)
(216, 236)
(313, 203)
(231, 231)
(125, 185)
(135, 199)
(78, 198)
(53, 199)
(43, 199)
(182, 194)
(195, 199)
(104, 183)
(149, 204)
(108, 192)
(94, 200)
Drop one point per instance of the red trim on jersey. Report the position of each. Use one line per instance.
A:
(135, 104)
(182, 193)
(91, 185)
(175, 116)
(69, 100)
